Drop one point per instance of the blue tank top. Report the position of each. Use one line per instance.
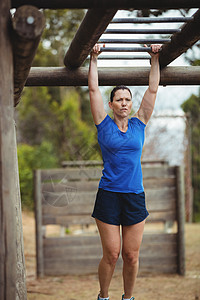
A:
(121, 152)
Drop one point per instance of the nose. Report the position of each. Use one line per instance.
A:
(124, 102)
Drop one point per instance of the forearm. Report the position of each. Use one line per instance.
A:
(93, 83)
(96, 101)
(154, 76)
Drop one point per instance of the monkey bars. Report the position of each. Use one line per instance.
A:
(19, 46)
(90, 30)
(181, 40)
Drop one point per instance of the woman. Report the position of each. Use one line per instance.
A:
(120, 199)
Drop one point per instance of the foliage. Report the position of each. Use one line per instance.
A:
(34, 115)
(54, 123)
(31, 158)
(193, 59)
(192, 106)
(50, 132)
(72, 138)
(61, 26)
(42, 118)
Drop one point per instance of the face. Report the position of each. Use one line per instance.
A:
(122, 103)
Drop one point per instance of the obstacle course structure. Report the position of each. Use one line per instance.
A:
(65, 197)
(19, 39)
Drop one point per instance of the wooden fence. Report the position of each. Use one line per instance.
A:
(66, 197)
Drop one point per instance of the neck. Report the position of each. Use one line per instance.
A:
(122, 123)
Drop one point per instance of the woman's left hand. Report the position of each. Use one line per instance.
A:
(155, 49)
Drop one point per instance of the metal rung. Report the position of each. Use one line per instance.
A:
(127, 49)
(142, 31)
(123, 57)
(152, 20)
(135, 41)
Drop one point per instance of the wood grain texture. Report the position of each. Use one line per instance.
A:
(133, 76)
(7, 161)
(25, 38)
(181, 41)
(72, 255)
(68, 197)
(92, 27)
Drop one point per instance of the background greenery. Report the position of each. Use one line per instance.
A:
(55, 123)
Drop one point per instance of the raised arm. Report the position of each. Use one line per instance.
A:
(147, 105)
(96, 101)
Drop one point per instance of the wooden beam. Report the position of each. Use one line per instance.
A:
(133, 76)
(181, 218)
(181, 41)
(7, 161)
(28, 24)
(89, 32)
(137, 4)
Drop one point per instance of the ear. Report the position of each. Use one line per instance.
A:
(110, 104)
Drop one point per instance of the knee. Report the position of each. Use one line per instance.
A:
(130, 257)
(111, 257)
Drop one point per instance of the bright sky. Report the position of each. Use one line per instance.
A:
(170, 97)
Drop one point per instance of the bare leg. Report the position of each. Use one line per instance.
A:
(132, 238)
(111, 243)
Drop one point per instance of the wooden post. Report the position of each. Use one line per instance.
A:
(90, 30)
(21, 292)
(7, 162)
(181, 219)
(120, 4)
(188, 171)
(28, 24)
(133, 76)
(38, 223)
(181, 41)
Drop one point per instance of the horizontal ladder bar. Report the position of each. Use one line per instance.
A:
(141, 31)
(123, 57)
(125, 49)
(152, 20)
(134, 41)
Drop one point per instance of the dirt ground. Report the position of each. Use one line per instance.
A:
(162, 287)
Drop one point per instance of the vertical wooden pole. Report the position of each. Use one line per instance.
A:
(7, 162)
(38, 223)
(181, 219)
(188, 172)
(21, 292)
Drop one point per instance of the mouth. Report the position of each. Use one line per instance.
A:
(124, 109)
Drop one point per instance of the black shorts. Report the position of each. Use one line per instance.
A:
(120, 208)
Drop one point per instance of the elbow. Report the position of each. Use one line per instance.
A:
(92, 85)
(153, 89)
(93, 89)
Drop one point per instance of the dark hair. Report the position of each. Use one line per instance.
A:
(119, 87)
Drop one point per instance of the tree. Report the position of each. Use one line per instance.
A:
(52, 119)
(192, 106)
(30, 158)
